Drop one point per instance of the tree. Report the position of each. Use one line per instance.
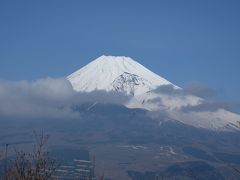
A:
(37, 165)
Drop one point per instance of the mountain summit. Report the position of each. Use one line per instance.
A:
(116, 73)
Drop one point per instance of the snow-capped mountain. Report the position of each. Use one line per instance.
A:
(124, 75)
(120, 73)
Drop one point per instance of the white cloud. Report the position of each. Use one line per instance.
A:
(47, 98)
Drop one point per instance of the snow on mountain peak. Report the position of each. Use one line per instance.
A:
(115, 73)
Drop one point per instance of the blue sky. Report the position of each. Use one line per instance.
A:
(183, 41)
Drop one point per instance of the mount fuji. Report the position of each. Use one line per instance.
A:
(121, 74)
(149, 91)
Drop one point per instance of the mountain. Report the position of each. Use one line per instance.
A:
(121, 74)
(147, 90)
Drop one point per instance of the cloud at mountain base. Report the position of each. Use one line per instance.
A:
(47, 98)
(206, 103)
(55, 98)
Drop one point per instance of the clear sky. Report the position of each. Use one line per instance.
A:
(181, 40)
